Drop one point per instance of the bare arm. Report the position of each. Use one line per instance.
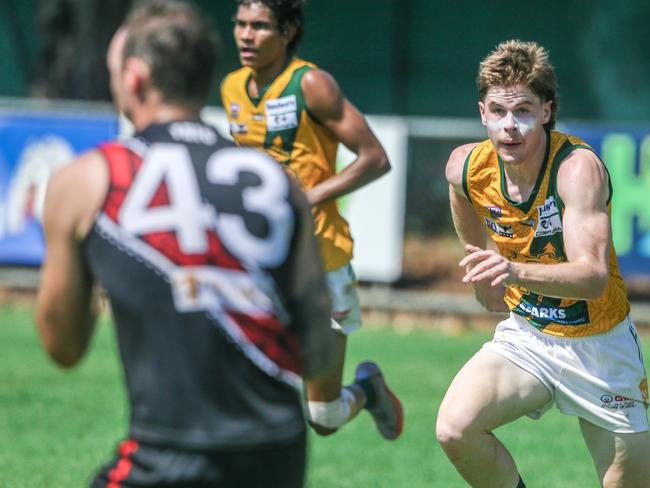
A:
(470, 228)
(326, 102)
(583, 186)
(67, 303)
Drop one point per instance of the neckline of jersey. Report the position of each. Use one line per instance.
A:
(525, 205)
(265, 88)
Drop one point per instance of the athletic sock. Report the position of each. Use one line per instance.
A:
(521, 483)
(367, 388)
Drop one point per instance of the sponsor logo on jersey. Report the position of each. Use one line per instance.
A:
(281, 113)
(198, 288)
(281, 105)
(550, 313)
(258, 117)
(549, 221)
(495, 212)
(616, 402)
(502, 230)
(238, 128)
(528, 222)
(234, 110)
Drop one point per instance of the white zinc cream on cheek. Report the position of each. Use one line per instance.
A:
(525, 125)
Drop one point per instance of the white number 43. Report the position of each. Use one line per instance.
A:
(190, 217)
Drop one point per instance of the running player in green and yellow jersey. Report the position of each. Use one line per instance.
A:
(543, 198)
(296, 112)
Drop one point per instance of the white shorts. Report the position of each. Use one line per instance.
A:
(346, 310)
(599, 378)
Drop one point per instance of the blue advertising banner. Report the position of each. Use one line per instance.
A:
(32, 146)
(626, 152)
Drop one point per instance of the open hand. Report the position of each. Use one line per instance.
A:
(486, 265)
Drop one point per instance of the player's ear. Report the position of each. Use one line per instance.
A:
(547, 107)
(288, 33)
(137, 75)
(481, 109)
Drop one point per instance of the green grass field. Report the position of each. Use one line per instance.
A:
(57, 427)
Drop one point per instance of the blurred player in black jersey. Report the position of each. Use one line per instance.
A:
(207, 254)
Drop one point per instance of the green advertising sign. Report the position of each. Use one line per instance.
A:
(626, 152)
(631, 202)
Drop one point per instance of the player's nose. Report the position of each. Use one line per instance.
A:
(246, 33)
(510, 122)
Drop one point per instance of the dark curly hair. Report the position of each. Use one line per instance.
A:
(287, 13)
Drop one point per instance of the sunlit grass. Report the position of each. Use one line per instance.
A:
(57, 426)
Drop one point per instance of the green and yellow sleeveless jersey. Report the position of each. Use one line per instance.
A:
(279, 123)
(531, 232)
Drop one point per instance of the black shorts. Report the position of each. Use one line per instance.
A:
(141, 465)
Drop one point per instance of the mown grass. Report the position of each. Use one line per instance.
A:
(57, 427)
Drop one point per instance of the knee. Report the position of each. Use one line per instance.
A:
(452, 433)
(618, 474)
(447, 433)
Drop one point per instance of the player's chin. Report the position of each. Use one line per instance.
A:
(510, 153)
(247, 58)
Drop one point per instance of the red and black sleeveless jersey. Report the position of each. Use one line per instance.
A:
(198, 246)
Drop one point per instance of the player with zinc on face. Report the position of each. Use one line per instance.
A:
(544, 199)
